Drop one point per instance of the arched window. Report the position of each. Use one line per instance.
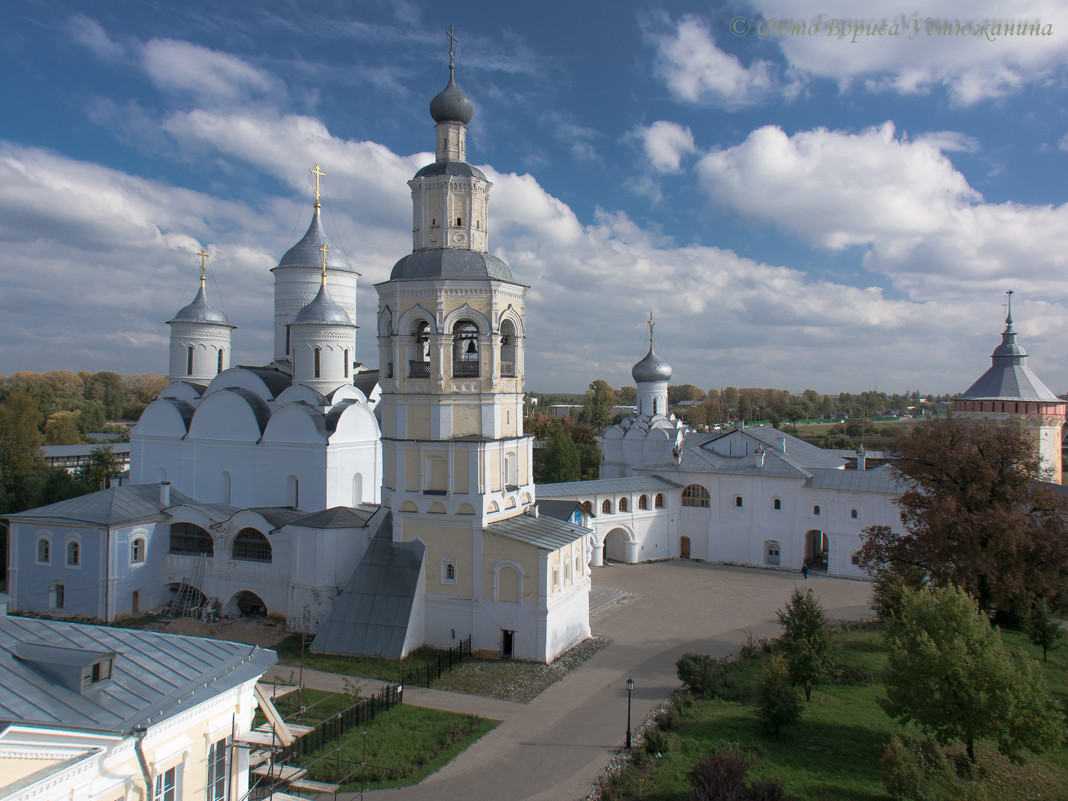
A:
(567, 572)
(357, 489)
(606, 507)
(856, 557)
(738, 501)
(419, 356)
(189, 361)
(293, 491)
(137, 551)
(771, 552)
(853, 513)
(218, 369)
(448, 570)
(816, 510)
(659, 503)
(695, 495)
(776, 504)
(507, 349)
(190, 539)
(623, 505)
(643, 501)
(74, 553)
(224, 486)
(251, 546)
(44, 551)
(465, 357)
(588, 506)
(318, 361)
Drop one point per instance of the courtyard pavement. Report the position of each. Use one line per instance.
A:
(555, 747)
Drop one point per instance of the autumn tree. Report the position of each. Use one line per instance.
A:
(976, 515)
(20, 437)
(949, 672)
(61, 428)
(807, 641)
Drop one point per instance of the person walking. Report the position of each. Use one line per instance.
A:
(804, 569)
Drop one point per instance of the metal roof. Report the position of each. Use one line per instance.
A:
(323, 310)
(604, 486)
(372, 614)
(200, 311)
(561, 510)
(880, 479)
(1009, 377)
(542, 532)
(60, 451)
(797, 451)
(450, 263)
(274, 379)
(306, 252)
(651, 369)
(450, 104)
(129, 503)
(458, 168)
(154, 675)
(339, 517)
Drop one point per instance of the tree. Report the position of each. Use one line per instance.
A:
(103, 464)
(777, 703)
(1043, 629)
(807, 642)
(976, 515)
(20, 438)
(61, 428)
(949, 672)
(562, 461)
(597, 407)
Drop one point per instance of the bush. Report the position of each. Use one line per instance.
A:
(656, 742)
(701, 673)
(917, 769)
(721, 777)
(779, 704)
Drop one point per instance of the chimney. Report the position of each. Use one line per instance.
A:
(862, 457)
(783, 441)
(165, 493)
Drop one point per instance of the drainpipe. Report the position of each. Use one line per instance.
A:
(139, 733)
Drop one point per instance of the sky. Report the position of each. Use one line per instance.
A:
(803, 195)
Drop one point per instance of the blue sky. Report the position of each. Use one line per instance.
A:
(796, 209)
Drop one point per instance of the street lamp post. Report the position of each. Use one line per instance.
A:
(630, 689)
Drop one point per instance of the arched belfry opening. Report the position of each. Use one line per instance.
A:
(419, 353)
(508, 349)
(465, 349)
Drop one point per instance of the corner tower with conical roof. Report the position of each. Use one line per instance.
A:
(457, 467)
(297, 281)
(200, 337)
(1010, 391)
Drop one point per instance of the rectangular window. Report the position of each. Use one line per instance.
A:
(217, 771)
(166, 786)
(317, 362)
(189, 362)
(219, 369)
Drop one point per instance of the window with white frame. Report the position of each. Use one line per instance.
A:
(166, 788)
(137, 551)
(74, 553)
(217, 771)
(448, 571)
(44, 551)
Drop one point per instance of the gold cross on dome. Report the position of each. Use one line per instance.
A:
(203, 265)
(325, 250)
(651, 324)
(318, 174)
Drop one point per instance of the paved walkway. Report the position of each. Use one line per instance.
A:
(555, 747)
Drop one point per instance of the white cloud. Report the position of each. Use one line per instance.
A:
(91, 35)
(211, 77)
(920, 221)
(934, 44)
(697, 71)
(665, 144)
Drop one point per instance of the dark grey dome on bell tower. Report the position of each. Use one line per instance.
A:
(450, 104)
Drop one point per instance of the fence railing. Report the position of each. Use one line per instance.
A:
(432, 671)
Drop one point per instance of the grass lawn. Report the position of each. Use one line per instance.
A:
(318, 705)
(403, 746)
(834, 751)
(368, 666)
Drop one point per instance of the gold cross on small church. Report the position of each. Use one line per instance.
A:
(318, 174)
(203, 265)
(325, 250)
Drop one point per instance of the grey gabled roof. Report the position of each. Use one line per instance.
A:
(798, 452)
(366, 381)
(130, 503)
(373, 612)
(450, 263)
(154, 675)
(603, 486)
(542, 532)
(881, 479)
(62, 451)
(560, 510)
(1009, 377)
(339, 517)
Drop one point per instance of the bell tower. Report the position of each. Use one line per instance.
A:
(457, 466)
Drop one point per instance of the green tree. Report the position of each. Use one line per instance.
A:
(61, 428)
(562, 461)
(20, 437)
(1042, 628)
(976, 515)
(778, 705)
(949, 672)
(597, 406)
(103, 464)
(807, 641)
